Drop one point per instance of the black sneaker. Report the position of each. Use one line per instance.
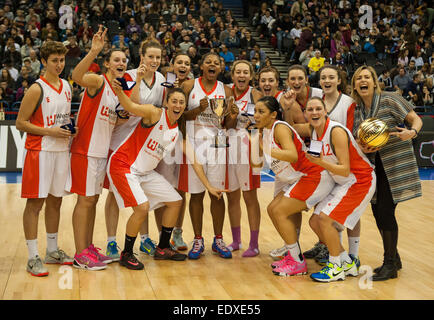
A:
(313, 252)
(168, 254)
(128, 259)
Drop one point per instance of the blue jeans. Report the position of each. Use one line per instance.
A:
(280, 35)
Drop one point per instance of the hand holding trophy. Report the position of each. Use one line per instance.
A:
(220, 108)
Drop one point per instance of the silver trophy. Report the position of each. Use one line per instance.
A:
(220, 108)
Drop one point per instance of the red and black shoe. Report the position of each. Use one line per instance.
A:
(168, 254)
(129, 260)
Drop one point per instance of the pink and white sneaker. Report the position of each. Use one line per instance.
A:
(280, 263)
(291, 268)
(87, 259)
(101, 257)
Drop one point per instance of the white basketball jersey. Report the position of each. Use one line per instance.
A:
(206, 122)
(245, 106)
(144, 147)
(53, 110)
(340, 109)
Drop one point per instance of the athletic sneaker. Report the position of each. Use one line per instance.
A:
(313, 252)
(197, 248)
(291, 268)
(278, 264)
(279, 253)
(351, 269)
(168, 254)
(36, 268)
(331, 272)
(129, 260)
(148, 246)
(58, 257)
(177, 242)
(101, 257)
(356, 260)
(88, 260)
(322, 258)
(112, 251)
(219, 247)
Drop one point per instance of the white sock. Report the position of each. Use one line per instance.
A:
(295, 252)
(345, 257)
(143, 237)
(110, 239)
(340, 236)
(353, 244)
(32, 246)
(335, 260)
(51, 242)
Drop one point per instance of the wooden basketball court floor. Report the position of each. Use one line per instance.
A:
(212, 277)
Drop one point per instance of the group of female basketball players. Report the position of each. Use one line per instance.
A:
(149, 145)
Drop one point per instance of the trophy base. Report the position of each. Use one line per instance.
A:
(214, 145)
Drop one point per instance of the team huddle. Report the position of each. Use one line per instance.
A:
(151, 144)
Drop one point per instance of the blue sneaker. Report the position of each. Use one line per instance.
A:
(356, 260)
(112, 251)
(331, 272)
(148, 246)
(197, 249)
(219, 247)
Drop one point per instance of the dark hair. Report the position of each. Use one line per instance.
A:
(172, 61)
(319, 99)
(273, 105)
(341, 76)
(108, 55)
(206, 55)
(297, 67)
(174, 90)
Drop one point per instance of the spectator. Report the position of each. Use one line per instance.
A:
(203, 41)
(385, 79)
(133, 27)
(185, 44)
(74, 50)
(35, 63)
(5, 76)
(283, 26)
(427, 96)
(247, 42)
(418, 60)
(25, 74)
(316, 63)
(265, 23)
(110, 14)
(257, 49)
(369, 45)
(411, 69)
(295, 31)
(413, 91)
(25, 49)
(232, 41)
(85, 29)
(306, 55)
(22, 90)
(401, 80)
(227, 55)
(298, 8)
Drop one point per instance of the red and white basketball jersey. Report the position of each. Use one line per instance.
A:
(206, 122)
(144, 147)
(153, 94)
(95, 121)
(53, 110)
(359, 163)
(311, 93)
(285, 171)
(245, 105)
(279, 95)
(148, 95)
(343, 110)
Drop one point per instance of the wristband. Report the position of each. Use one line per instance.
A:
(415, 132)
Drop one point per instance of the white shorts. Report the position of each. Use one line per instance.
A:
(44, 172)
(346, 203)
(86, 176)
(132, 189)
(244, 177)
(310, 188)
(170, 172)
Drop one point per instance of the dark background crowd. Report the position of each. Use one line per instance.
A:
(399, 43)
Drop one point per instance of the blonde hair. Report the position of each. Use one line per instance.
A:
(377, 89)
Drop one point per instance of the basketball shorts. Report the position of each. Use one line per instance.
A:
(86, 175)
(346, 203)
(131, 189)
(44, 172)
